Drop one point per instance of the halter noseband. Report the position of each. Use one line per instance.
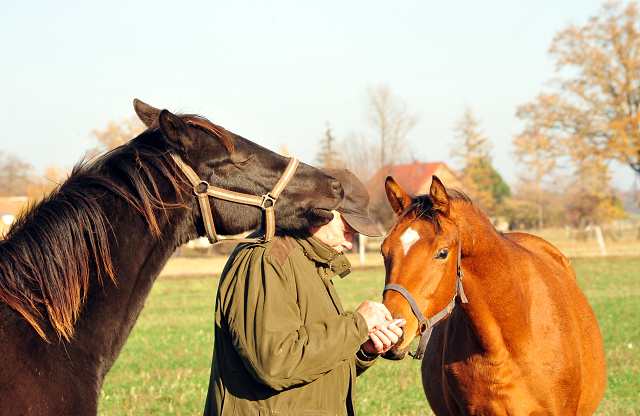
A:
(267, 202)
(427, 325)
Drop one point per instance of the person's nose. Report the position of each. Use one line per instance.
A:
(348, 241)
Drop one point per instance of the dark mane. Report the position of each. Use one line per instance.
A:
(421, 207)
(53, 243)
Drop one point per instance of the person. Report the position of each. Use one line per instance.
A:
(283, 342)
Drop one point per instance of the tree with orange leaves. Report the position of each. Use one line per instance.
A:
(116, 134)
(592, 118)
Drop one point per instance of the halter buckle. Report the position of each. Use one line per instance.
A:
(266, 198)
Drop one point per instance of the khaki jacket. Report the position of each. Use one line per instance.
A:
(283, 343)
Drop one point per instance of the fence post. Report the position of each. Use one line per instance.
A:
(603, 250)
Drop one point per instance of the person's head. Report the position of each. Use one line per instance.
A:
(351, 217)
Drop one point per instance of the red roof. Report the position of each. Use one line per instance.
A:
(412, 178)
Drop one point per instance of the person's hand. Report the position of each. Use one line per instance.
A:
(375, 313)
(381, 340)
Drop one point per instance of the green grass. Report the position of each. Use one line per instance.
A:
(164, 368)
(613, 290)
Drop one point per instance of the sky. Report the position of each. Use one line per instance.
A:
(276, 72)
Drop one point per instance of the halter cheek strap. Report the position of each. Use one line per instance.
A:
(267, 202)
(426, 325)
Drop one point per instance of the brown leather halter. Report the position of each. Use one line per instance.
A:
(203, 191)
(427, 325)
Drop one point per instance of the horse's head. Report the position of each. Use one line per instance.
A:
(421, 255)
(230, 162)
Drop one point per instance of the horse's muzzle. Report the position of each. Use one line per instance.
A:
(396, 353)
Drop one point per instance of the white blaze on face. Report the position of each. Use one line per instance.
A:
(409, 238)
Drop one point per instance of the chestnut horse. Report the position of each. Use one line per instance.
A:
(76, 268)
(520, 337)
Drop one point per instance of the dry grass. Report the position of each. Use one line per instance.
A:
(566, 241)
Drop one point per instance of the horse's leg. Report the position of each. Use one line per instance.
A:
(432, 373)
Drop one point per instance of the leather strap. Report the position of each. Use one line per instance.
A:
(267, 202)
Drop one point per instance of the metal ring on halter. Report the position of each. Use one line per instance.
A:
(197, 192)
(266, 198)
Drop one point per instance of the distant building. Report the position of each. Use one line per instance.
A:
(415, 178)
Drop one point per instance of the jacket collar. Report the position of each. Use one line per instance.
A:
(317, 251)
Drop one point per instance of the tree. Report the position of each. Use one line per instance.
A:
(391, 123)
(535, 150)
(41, 185)
(328, 155)
(588, 203)
(116, 134)
(592, 116)
(472, 149)
(606, 53)
(523, 209)
(14, 175)
(470, 144)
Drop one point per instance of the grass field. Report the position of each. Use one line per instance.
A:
(164, 368)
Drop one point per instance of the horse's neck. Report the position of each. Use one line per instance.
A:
(112, 308)
(497, 299)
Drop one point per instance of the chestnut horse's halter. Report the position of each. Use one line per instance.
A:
(203, 191)
(427, 324)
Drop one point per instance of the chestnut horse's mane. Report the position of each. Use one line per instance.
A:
(48, 254)
(421, 207)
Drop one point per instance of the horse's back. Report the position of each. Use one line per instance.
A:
(557, 281)
(543, 249)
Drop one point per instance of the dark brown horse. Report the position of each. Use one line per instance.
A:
(76, 268)
(520, 337)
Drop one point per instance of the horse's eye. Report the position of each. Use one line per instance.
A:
(244, 161)
(442, 254)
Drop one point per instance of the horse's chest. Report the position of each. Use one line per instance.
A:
(477, 380)
(482, 385)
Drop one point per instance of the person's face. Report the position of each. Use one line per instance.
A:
(337, 234)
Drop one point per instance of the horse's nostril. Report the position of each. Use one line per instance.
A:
(337, 189)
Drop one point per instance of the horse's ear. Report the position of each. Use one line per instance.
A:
(439, 197)
(175, 130)
(397, 197)
(147, 114)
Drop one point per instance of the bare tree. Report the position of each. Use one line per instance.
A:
(14, 175)
(391, 123)
(360, 155)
